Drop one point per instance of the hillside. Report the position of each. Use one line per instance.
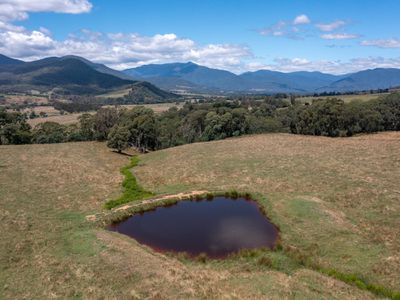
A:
(74, 75)
(145, 92)
(100, 67)
(368, 79)
(193, 77)
(342, 212)
(70, 74)
(187, 76)
(8, 61)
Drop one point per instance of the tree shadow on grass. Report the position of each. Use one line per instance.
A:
(123, 153)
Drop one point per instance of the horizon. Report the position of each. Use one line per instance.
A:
(191, 62)
(285, 36)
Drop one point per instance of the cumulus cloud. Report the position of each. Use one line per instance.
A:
(23, 44)
(339, 36)
(327, 66)
(331, 26)
(301, 19)
(382, 43)
(19, 9)
(120, 50)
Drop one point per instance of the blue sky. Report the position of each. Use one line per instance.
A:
(239, 35)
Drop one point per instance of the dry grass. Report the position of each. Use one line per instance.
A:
(115, 94)
(20, 99)
(339, 197)
(49, 250)
(49, 110)
(67, 119)
(345, 98)
(157, 107)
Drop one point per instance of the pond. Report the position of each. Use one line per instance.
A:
(216, 227)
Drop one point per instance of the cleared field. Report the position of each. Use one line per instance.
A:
(67, 119)
(49, 110)
(20, 99)
(157, 107)
(115, 94)
(345, 98)
(332, 195)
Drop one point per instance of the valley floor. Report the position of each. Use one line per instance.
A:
(337, 200)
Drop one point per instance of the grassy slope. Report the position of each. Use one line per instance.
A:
(338, 199)
(47, 249)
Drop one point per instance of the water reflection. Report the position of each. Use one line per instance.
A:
(217, 228)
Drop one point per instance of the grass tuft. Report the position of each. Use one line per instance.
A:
(132, 190)
(362, 284)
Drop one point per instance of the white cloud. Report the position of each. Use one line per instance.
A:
(283, 29)
(330, 26)
(23, 44)
(301, 19)
(382, 43)
(19, 9)
(275, 30)
(339, 36)
(327, 66)
(120, 50)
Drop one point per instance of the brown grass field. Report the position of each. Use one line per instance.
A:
(67, 119)
(335, 199)
(345, 98)
(20, 99)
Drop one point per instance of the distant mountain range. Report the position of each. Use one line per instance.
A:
(191, 77)
(73, 75)
(77, 75)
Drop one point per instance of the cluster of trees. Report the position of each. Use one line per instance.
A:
(78, 106)
(332, 94)
(13, 128)
(140, 127)
(332, 117)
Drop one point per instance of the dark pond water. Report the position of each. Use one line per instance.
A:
(216, 227)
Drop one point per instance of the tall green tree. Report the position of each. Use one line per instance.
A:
(119, 138)
(104, 120)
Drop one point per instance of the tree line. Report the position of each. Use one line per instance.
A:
(140, 127)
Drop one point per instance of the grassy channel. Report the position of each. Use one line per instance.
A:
(132, 190)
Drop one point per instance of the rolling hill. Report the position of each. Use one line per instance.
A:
(328, 212)
(73, 75)
(148, 93)
(66, 73)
